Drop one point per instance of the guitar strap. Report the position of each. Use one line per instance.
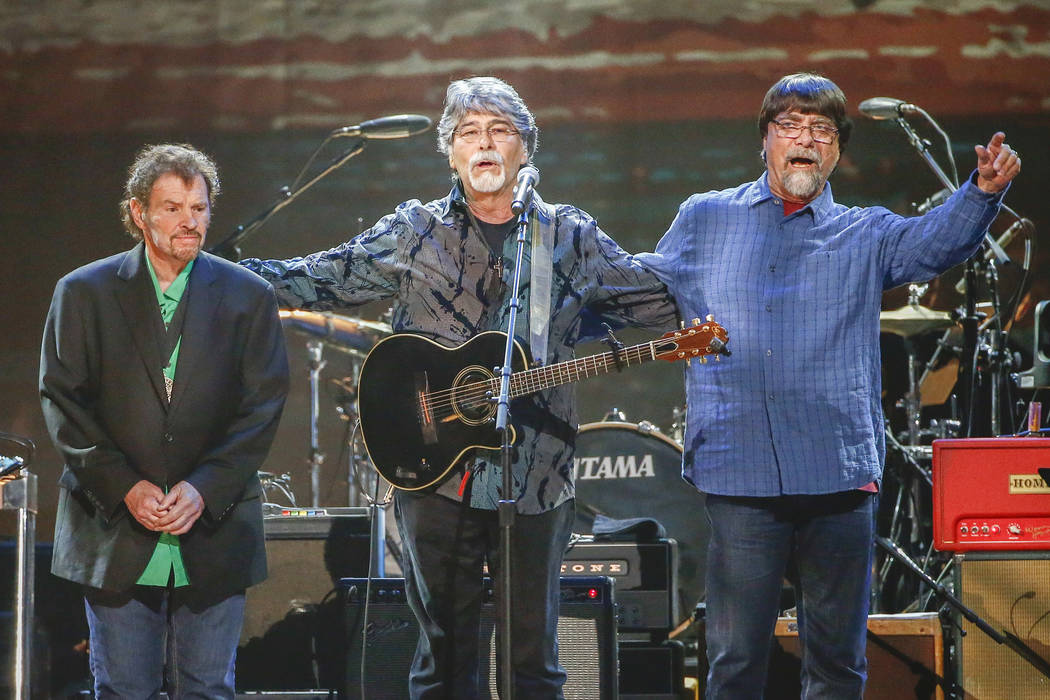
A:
(540, 286)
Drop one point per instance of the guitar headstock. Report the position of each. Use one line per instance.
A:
(699, 340)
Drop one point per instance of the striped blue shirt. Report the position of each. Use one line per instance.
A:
(796, 408)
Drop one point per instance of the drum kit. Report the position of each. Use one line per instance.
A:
(354, 337)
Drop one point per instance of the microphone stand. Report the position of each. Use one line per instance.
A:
(970, 320)
(1012, 641)
(229, 247)
(508, 504)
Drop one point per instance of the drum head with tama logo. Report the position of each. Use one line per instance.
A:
(628, 470)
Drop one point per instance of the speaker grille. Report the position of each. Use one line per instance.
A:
(586, 640)
(1010, 592)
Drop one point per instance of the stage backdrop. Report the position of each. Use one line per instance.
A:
(640, 104)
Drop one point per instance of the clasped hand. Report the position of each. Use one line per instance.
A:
(174, 512)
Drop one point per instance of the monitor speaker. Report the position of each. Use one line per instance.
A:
(293, 633)
(1011, 592)
(586, 639)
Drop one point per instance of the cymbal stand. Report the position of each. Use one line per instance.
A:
(315, 349)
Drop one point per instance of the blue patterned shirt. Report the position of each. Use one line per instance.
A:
(796, 408)
(438, 272)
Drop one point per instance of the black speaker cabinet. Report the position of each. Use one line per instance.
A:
(1011, 592)
(586, 639)
(293, 632)
(646, 575)
(652, 670)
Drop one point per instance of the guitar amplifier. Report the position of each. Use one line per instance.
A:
(378, 657)
(646, 576)
(989, 494)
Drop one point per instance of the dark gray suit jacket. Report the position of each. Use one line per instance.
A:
(102, 392)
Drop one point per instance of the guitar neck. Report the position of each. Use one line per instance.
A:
(540, 378)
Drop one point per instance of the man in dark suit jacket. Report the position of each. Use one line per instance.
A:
(163, 376)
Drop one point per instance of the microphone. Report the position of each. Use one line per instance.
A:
(888, 108)
(934, 200)
(1009, 234)
(528, 178)
(1004, 240)
(398, 126)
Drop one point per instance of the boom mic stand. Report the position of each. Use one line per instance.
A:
(1012, 641)
(970, 321)
(229, 247)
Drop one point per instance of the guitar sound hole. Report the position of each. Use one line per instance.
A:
(470, 395)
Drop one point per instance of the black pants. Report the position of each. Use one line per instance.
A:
(445, 545)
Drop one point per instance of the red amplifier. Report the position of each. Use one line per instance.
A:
(988, 493)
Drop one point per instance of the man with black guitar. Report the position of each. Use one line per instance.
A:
(444, 265)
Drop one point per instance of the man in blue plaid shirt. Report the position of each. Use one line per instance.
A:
(785, 437)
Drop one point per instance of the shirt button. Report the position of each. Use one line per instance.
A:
(772, 268)
(168, 437)
(769, 352)
(769, 307)
(776, 201)
(771, 397)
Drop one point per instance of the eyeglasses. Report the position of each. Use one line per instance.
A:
(499, 134)
(821, 133)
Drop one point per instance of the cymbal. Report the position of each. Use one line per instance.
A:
(355, 334)
(913, 320)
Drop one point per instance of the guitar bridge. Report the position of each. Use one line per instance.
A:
(424, 409)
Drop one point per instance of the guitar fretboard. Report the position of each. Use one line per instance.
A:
(539, 378)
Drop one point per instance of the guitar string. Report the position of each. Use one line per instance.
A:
(539, 375)
(476, 393)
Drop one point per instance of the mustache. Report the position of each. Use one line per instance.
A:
(801, 152)
(492, 155)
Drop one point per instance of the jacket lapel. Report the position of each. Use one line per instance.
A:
(205, 296)
(138, 302)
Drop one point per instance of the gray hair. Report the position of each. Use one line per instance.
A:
(154, 161)
(490, 95)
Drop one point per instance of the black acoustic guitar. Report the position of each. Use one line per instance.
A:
(423, 405)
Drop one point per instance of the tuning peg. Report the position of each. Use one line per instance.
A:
(710, 317)
(703, 360)
(696, 322)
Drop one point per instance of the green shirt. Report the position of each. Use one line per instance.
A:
(167, 557)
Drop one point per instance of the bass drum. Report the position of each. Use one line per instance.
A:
(628, 470)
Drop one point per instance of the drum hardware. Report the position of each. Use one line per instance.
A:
(18, 492)
(351, 335)
(633, 470)
(282, 483)
(677, 431)
(355, 337)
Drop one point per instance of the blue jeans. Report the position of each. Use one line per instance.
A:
(147, 635)
(445, 544)
(823, 545)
